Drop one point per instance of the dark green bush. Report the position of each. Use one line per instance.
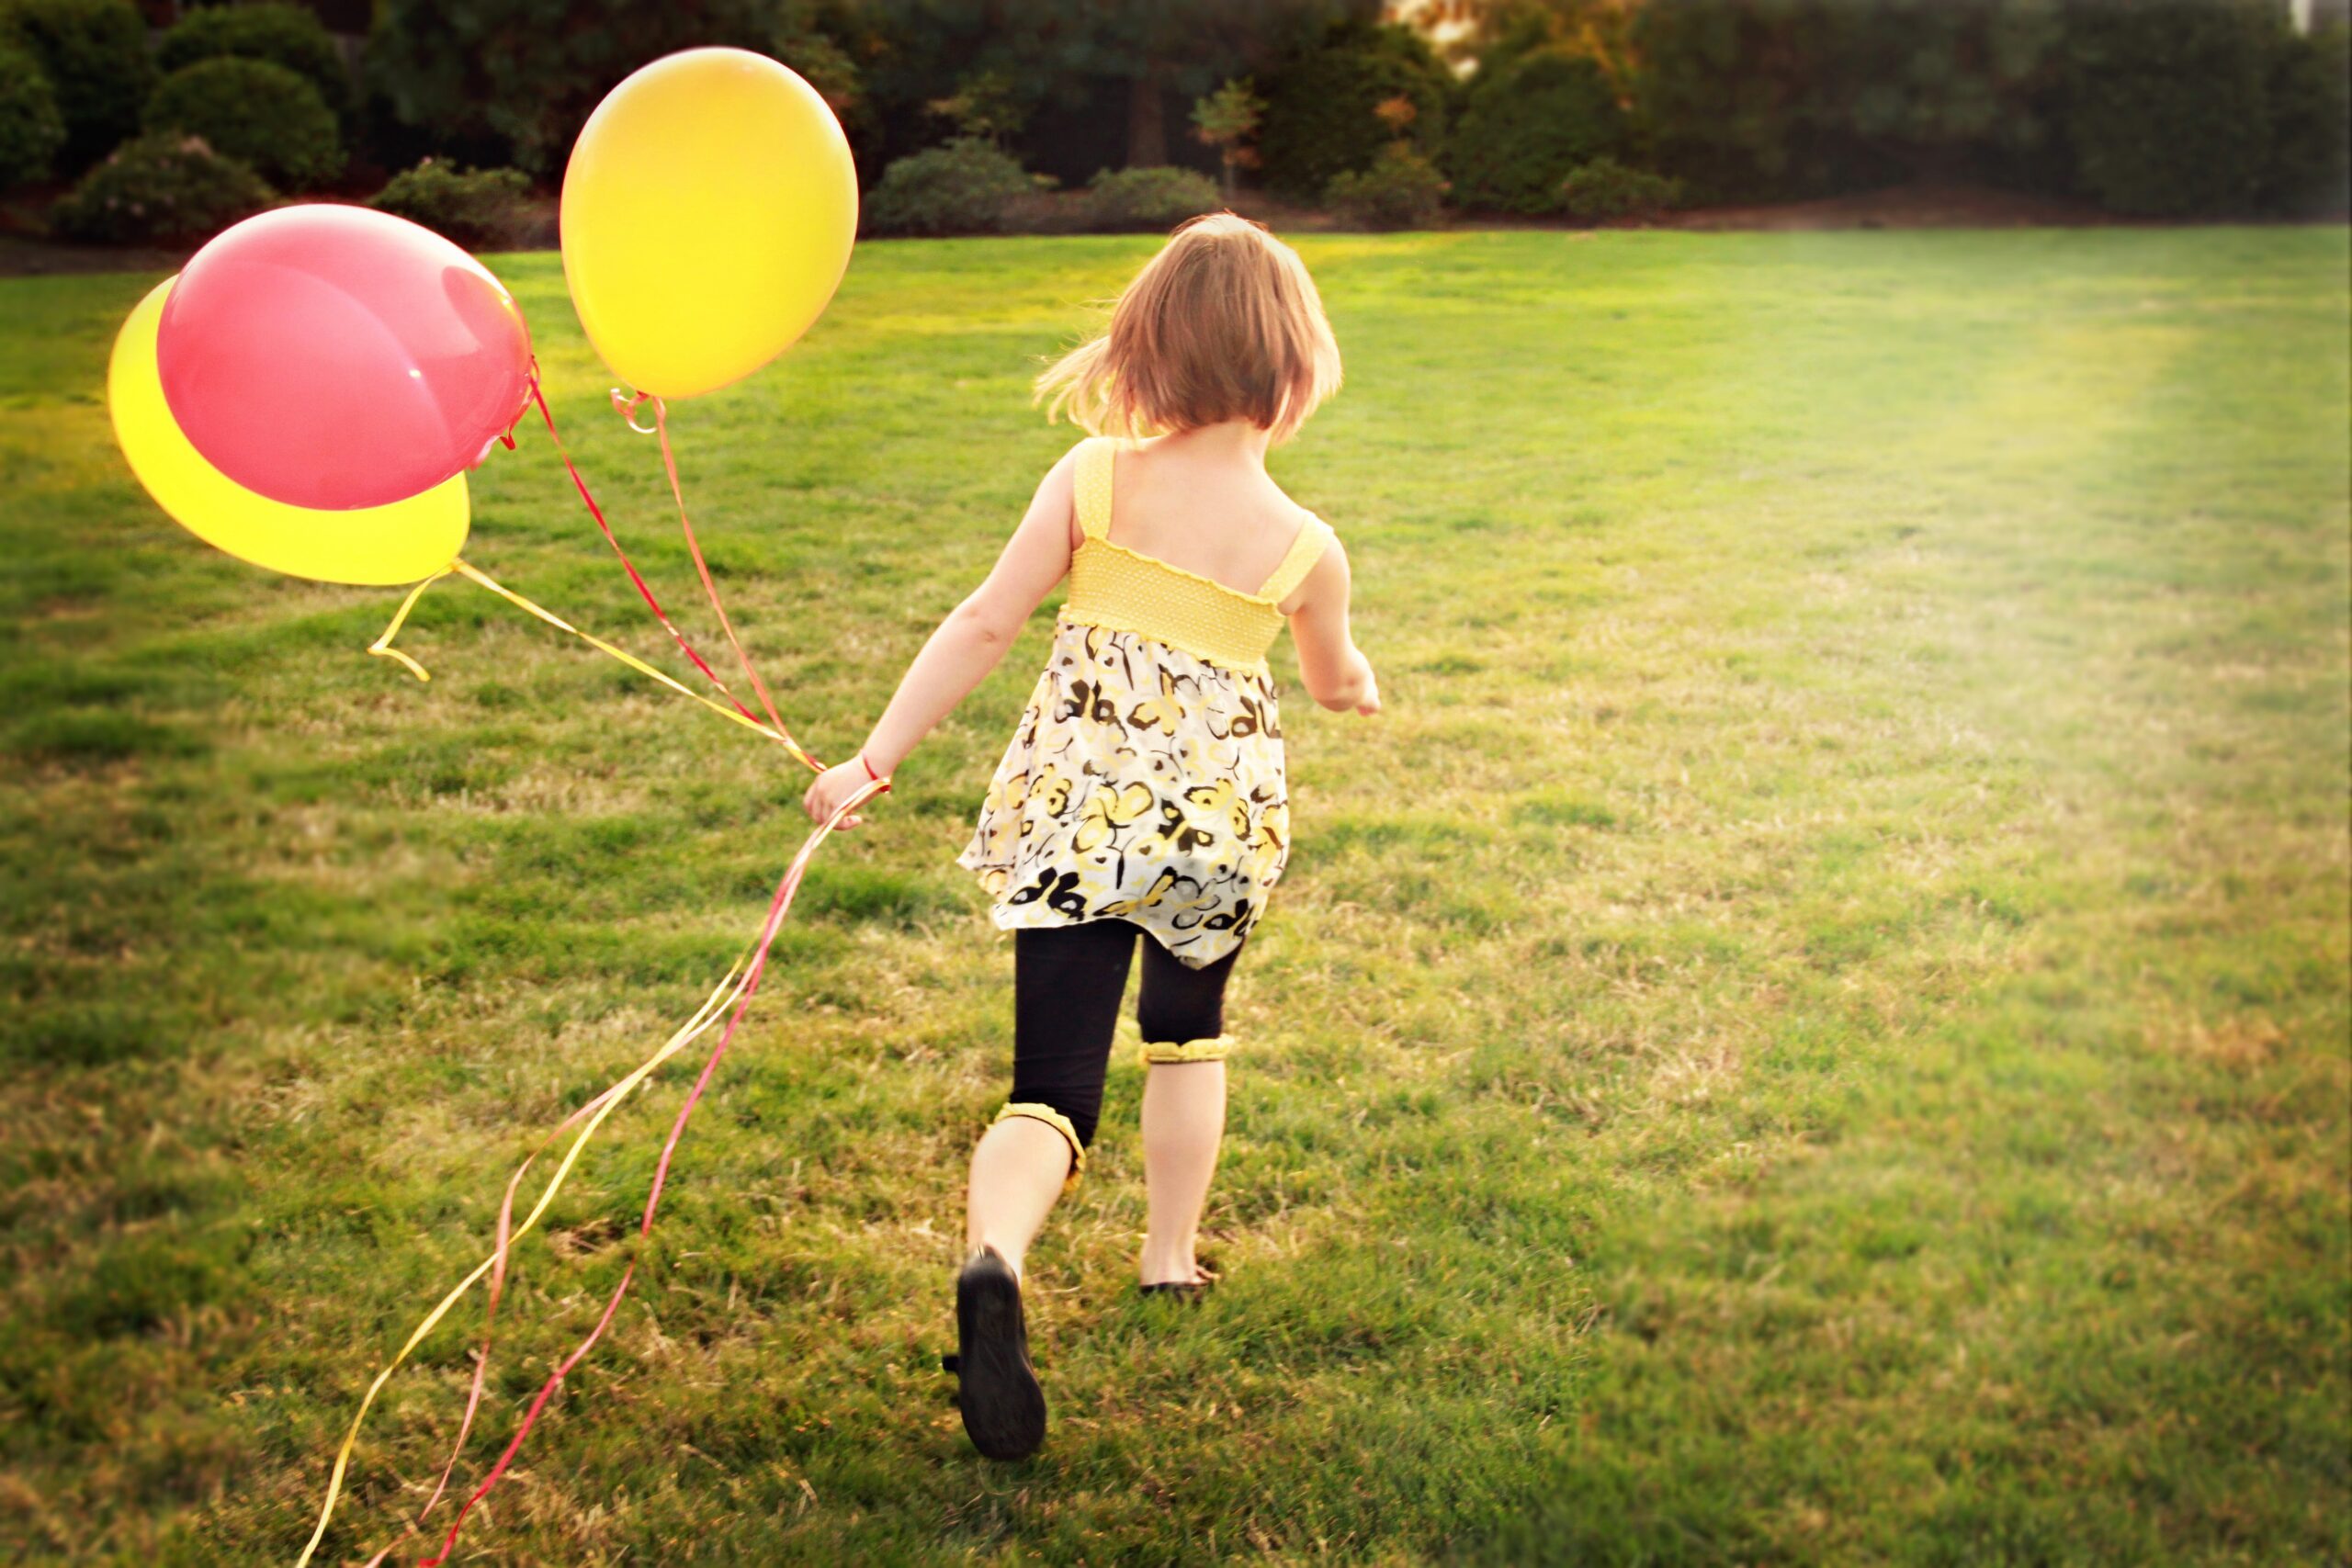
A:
(2311, 124)
(1403, 190)
(283, 34)
(1525, 125)
(1605, 188)
(162, 186)
(1149, 200)
(95, 54)
(2167, 103)
(481, 208)
(1322, 114)
(31, 131)
(260, 114)
(966, 186)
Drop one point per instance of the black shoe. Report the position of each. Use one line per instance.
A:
(1004, 1409)
(1182, 1289)
(1204, 1278)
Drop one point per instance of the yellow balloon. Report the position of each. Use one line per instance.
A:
(371, 546)
(709, 211)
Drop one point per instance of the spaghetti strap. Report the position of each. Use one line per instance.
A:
(1093, 485)
(1314, 536)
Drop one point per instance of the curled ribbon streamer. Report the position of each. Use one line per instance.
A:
(382, 647)
(738, 978)
(643, 590)
(778, 908)
(608, 1098)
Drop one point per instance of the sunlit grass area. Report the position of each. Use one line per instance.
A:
(1813, 1029)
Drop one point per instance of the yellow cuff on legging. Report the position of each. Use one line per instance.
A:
(1211, 1050)
(1059, 1123)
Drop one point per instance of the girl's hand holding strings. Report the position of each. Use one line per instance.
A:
(834, 787)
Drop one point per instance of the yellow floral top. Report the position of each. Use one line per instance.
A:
(1144, 779)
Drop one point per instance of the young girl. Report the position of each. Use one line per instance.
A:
(1143, 789)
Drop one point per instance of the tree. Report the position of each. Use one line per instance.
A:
(987, 104)
(1228, 120)
(523, 75)
(1323, 104)
(1526, 123)
(1500, 31)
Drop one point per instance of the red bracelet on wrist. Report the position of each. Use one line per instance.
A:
(869, 769)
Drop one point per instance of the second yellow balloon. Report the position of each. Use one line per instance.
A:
(708, 213)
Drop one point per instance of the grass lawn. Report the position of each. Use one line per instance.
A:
(1814, 1028)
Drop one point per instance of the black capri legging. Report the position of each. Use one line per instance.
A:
(1067, 982)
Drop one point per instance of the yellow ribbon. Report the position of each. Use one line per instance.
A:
(382, 647)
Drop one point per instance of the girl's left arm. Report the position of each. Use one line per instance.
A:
(969, 643)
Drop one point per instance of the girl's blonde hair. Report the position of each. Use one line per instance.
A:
(1223, 324)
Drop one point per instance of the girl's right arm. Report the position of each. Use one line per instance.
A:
(1337, 674)
(969, 643)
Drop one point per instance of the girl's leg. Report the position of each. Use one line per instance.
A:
(1182, 1014)
(1183, 1123)
(1066, 981)
(1018, 1170)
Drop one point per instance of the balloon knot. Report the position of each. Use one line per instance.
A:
(626, 405)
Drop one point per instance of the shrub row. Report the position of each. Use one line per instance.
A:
(1401, 189)
(480, 209)
(970, 186)
(2157, 107)
(967, 187)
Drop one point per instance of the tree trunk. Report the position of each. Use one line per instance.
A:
(1146, 122)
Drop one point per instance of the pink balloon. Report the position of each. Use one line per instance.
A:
(334, 356)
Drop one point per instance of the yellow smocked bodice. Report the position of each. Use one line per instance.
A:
(1124, 590)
